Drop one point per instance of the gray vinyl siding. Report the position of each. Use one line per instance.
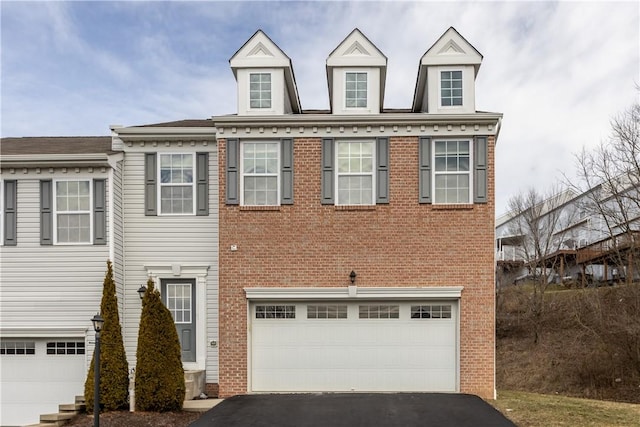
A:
(168, 240)
(55, 288)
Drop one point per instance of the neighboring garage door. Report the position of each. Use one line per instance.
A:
(38, 375)
(361, 346)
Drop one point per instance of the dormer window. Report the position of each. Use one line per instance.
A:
(355, 90)
(260, 90)
(451, 88)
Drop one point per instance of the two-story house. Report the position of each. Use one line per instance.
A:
(339, 250)
(355, 243)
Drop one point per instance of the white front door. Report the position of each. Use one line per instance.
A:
(355, 346)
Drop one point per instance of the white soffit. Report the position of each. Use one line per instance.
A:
(354, 293)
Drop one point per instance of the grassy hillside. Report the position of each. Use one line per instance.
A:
(589, 346)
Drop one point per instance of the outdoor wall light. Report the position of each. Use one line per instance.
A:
(141, 291)
(352, 276)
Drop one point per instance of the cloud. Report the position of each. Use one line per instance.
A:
(557, 70)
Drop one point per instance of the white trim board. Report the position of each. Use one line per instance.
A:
(354, 293)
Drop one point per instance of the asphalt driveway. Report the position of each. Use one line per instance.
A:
(352, 410)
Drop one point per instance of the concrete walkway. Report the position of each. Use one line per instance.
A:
(353, 410)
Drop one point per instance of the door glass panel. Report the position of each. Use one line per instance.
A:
(179, 301)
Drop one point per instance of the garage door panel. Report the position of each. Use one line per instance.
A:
(353, 353)
(36, 384)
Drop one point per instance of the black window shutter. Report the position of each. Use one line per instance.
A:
(150, 184)
(46, 212)
(382, 172)
(286, 196)
(232, 172)
(424, 169)
(10, 212)
(327, 171)
(480, 169)
(202, 184)
(99, 212)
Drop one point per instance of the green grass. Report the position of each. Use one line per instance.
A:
(532, 410)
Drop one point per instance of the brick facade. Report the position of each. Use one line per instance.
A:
(403, 243)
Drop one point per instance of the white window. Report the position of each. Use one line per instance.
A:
(260, 90)
(260, 178)
(452, 172)
(451, 88)
(431, 311)
(327, 311)
(65, 347)
(176, 184)
(17, 347)
(355, 90)
(275, 312)
(72, 211)
(355, 172)
(179, 302)
(375, 311)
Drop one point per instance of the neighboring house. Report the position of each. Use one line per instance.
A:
(339, 250)
(594, 239)
(404, 199)
(57, 234)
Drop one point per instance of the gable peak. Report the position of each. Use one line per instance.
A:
(451, 47)
(260, 50)
(356, 49)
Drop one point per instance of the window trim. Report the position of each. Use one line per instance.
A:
(373, 173)
(161, 184)
(55, 212)
(367, 93)
(470, 172)
(259, 71)
(450, 69)
(278, 173)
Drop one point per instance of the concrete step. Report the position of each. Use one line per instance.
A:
(200, 405)
(80, 399)
(71, 407)
(195, 384)
(56, 418)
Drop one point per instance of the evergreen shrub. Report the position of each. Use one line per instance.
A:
(160, 385)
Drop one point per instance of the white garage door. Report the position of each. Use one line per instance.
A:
(38, 375)
(363, 346)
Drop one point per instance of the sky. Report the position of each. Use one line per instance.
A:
(558, 71)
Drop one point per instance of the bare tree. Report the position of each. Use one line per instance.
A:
(541, 222)
(610, 177)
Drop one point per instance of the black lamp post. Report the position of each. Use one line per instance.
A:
(352, 276)
(98, 323)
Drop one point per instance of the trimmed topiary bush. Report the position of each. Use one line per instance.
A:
(160, 383)
(114, 369)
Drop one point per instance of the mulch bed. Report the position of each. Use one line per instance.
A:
(138, 419)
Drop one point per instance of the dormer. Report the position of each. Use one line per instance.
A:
(356, 72)
(447, 75)
(264, 75)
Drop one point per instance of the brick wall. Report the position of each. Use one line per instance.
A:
(400, 244)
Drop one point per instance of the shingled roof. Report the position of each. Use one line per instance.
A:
(55, 145)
